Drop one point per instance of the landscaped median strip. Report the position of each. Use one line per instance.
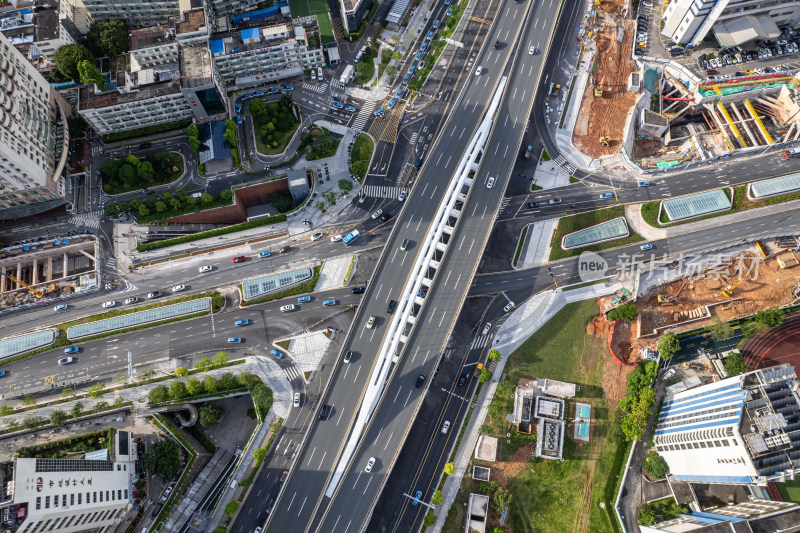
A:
(573, 223)
(148, 246)
(305, 287)
(217, 302)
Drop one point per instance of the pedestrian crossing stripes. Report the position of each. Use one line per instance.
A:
(480, 342)
(336, 84)
(112, 263)
(316, 87)
(560, 161)
(89, 221)
(363, 116)
(292, 373)
(504, 203)
(381, 191)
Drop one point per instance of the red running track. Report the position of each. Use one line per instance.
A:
(775, 346)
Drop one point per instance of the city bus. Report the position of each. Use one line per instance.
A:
(350, 237)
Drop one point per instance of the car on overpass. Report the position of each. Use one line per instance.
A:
(371, 322)
(205, 268)
(370, 465)
(643, 184)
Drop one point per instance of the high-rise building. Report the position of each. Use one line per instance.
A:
(733, 22)
(38, 32)
(740, 430)
(755, 516)
(33, 138)
(69, 495)
(137, 13)
(354, 12)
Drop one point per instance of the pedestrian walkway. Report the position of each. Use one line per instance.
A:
(307, 349)
(381, 191)
(363, 116)
(561, 162)
(316, 87)
(85, 220)
(333, 271)
(537, 244)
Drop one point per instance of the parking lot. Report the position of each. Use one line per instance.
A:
(712, 61)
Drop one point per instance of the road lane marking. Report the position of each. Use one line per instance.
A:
(409, 397)
(431, 317)
(301, 506)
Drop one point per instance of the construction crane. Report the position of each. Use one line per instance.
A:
(35, 292)
(670, 298)
(727, 292)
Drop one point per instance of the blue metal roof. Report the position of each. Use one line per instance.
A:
(250, 35)
(259, 13)
(694, 426)
(715, 479)
(216, 47)
(718, 516)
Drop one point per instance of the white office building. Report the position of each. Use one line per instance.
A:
(33, 136)
(741, 430)
(255, 56)
(137, 13)
(732, 22)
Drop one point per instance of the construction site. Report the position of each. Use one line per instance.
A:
(48, 269)
(682, 297)
(609, 94)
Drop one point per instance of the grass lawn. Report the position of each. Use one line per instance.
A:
(162, 164)
(790, 490)
(558, 496)
(365, 73)
(520, 244)
(573, 223)
(740, 203)
(362, 152)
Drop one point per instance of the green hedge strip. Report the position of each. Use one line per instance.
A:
(148, 246)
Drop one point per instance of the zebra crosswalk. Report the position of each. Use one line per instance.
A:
(480, 342)
(86, 220)
(381, 191)
(413, 138)
(504, 203)
(292, 373)
(560, 161)
(363, 116)
(316, 87)
(336, 84)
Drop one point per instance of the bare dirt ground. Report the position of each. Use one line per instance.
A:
(615, 376)
(606, 115)
(770, 286)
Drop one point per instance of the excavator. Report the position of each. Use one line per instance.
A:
(671, 298)
(598, 91)
(35, 292)
(605, 140)
(727, 292)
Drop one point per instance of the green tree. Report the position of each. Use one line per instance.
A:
(429, 520)
(346, 185)
(259, 454)
(77, 127)
(158, 394)
(177, 390)
(494, 355)
(391, 72)
(194, 387)
(437, 498)
(231, 507)
(161, 207)
(194, 138)
(67, 58)
(220, 529)
(646, 515)
(230, 133)
(97, 390)
(449, 468)
(209, 415)
(100, 407)
(58, 417)
(734, 364)
(486, 375)
(211, 384)
(146, 172)
(262, 399)
(143, 211)
(206, 198)
(770, 318)
(127, 174)
(203, 365)
(668, 344)
(220, 359)
(32, 422)
(720, 330)
(181, 372)
(359, 168)
(320, 205)
(626, 312)
(655, 466)
(163, 459)
(77, 410)
(502, 499)
(226, 195)
(89, 74)
(281, 202)
(109, 37)
(28, 401)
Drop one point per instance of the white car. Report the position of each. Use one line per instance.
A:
(371, 322)
(110, 303)
(370, 464)
(131, 300)
(531, 50)
(313, 75)
(377, 213)
(490, 183)
(287, 308)
(178, 288)
(336, 238)
(487, 328)
(206, 268)
(402, 196)
(478, 71)
(668, 374)
(509, 306)
(297, 399)
(445, 427)
(317, 236)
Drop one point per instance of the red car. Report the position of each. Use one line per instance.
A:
(239, 259)
(712, 71)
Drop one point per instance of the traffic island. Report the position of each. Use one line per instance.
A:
(595, 238)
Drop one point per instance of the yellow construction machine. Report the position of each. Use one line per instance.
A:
(727, 292)
(35, 292)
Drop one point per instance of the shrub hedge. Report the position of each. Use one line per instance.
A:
(148, 246)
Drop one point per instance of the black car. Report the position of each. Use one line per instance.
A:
(533, 205)
(385, 217)
(271, 506)
(358, 290)
(325, 412)
(497, 45)
(392, 305)
(420, 380)
(462, 380)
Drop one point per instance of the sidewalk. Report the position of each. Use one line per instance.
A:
(523, 323)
